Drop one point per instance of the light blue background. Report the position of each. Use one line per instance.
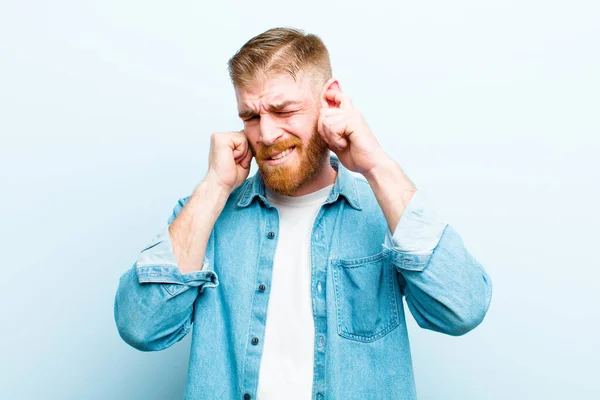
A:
(491, 107)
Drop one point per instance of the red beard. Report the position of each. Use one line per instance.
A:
(288, 178)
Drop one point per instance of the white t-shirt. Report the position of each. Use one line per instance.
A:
(286, 368)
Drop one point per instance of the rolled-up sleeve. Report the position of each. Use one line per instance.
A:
(446, 289)
(154, 303)
(157, 264)
(420, 227)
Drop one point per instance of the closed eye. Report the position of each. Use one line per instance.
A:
(278, 113)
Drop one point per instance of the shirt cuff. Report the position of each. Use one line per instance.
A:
(419, 230)
(157, 264)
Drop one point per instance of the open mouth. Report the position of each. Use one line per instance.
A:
(282, 155)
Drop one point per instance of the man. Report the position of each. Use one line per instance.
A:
(293, 279)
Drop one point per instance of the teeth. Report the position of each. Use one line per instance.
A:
(282, 154)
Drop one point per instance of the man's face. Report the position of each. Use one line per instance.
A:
(280, 122)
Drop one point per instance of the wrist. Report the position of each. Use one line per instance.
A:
(211, 189)
(387, 170)
(212, 182)
(388, 176)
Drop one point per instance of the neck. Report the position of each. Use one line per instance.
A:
(325, 177)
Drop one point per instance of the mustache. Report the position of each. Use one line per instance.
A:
(278, 147)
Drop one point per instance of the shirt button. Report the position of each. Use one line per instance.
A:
(319, 287)
(261, 287)
(254, 341)
(247, 396)
(321, 340)
(271, 235)
(319, 396)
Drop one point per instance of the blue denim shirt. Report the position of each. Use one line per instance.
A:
(361, 273)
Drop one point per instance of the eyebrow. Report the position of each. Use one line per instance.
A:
(275, 107)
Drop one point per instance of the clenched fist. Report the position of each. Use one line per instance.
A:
(347, 134)
(229, 159)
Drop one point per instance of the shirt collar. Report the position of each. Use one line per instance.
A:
(345, 185)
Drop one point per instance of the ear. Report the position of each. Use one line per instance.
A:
(334, 84)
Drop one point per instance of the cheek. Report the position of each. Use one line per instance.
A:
(300, 124)
(252, 132)
(252, 142)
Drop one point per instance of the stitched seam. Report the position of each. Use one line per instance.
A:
(394, 320)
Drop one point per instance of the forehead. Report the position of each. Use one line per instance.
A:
(267, 90)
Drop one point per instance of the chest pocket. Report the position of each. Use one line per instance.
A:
(366, 298)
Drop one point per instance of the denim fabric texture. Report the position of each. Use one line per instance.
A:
(361, 276)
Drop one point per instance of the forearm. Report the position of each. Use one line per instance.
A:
(191, 230)
(155, 298)
(392, 188)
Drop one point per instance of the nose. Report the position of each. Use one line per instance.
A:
(269, 131)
